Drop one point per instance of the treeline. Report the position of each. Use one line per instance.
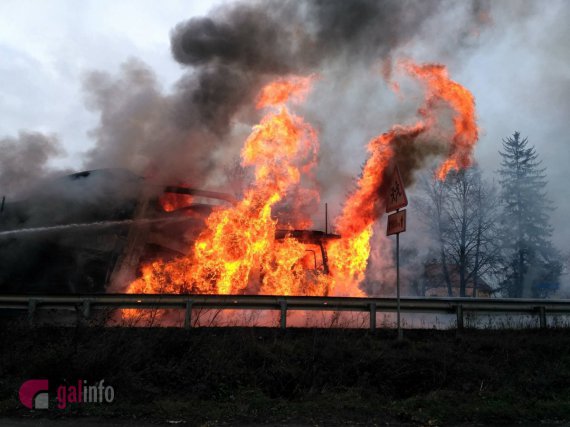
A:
(491, 237)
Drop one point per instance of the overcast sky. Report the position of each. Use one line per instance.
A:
(47, 46)
(518, 69)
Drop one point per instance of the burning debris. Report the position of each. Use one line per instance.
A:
(165, 238)
(241, 247)
(73, 234)
(238, 252)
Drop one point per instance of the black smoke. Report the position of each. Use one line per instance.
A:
(185, 135)
(238, 47)
(188, 135)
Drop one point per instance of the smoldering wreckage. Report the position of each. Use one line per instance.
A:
(104, 224)
(112, 230)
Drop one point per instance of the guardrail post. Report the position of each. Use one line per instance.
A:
(86, 309)
(283, 318)
(31, 311)
(188, 315)
(542, 317)
(459, 313)
(82, 314)
(372, 316)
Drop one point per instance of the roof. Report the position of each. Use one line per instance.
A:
(433, 274)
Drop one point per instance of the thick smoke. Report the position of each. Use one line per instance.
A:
(138, 129)
(235, 49)
(25, 160)
(276, 37)
(189, 134)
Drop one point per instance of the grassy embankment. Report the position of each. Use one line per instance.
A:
(310, 375)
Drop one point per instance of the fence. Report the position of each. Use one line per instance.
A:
(85, 304)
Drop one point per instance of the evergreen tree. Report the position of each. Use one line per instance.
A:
(531, 264)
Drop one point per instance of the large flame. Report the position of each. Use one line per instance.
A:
(349, 256)
(238, 251)
(461, 101)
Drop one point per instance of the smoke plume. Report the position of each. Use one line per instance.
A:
(192, 132)
(25, 160)
(188, 135)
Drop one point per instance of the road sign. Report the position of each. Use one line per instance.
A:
(396, 223)
(396, 197)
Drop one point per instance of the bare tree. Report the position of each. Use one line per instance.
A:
(435, 217)
(461, 213)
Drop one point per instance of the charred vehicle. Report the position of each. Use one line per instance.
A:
(77, 233)
(90, 232)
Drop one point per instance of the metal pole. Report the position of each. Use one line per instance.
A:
(372, 317)
(459, 314)
(542, 316)
(326, 218)
(400, 334)
(188, 315)
(31, 312)
(283, 318)
(86, 309)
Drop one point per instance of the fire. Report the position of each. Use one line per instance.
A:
(363, 207)
(441, 87)
(366, 204)
(170, 202)
(294, 88)
(238, 251)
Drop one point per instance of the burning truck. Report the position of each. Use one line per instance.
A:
(130, 235)
(92, 231)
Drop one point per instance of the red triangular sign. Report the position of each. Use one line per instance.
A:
(396, 197)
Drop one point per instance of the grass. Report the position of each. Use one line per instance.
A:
(323, 376)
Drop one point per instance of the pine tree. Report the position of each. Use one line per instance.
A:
(531, 264)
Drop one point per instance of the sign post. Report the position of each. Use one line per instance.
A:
(395, 200)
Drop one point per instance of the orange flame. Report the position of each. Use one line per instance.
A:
(238, 252)
(170, 202)
(280, 91)
(441, 87)
(349, 256)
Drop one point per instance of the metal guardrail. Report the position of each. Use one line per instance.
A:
(84, 304)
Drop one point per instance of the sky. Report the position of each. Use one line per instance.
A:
(518, 69)
(47, 47)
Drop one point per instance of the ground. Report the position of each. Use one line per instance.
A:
(213, 376)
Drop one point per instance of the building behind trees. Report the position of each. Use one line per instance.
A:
(490, 240)
(461, 214)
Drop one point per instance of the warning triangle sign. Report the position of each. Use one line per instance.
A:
(396, 197)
